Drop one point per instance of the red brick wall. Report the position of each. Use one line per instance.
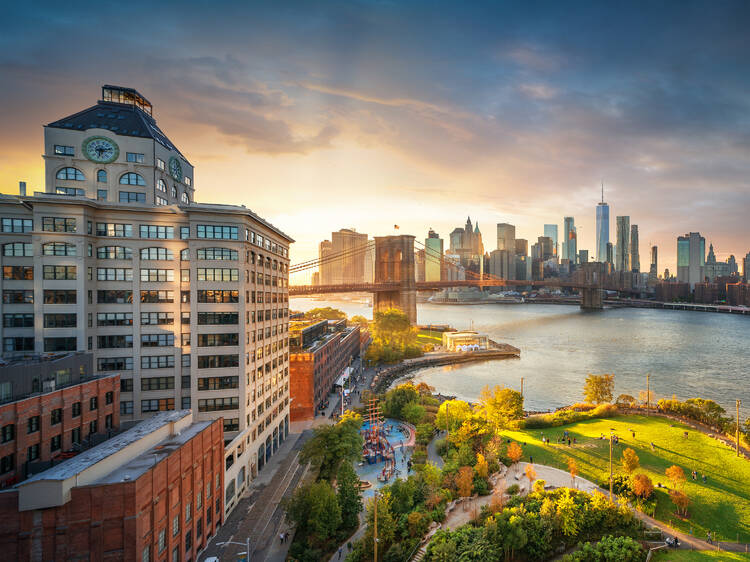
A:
(301, 386)
(18, 413)
(117, 521)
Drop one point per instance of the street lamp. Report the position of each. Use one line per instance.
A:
(246, 544)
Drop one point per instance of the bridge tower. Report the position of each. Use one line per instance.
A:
(593, 278)
(394, 264)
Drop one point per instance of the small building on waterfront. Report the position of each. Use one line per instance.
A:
(465, 341)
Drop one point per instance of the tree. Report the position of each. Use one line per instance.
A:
(642, 486)
(647, 397)
(622, 549)
(333, 444)
(567, 513)
(397, 398)
(500, 406)
(424, 389)
(539, 486)
(413, 413)
(325, 313)
(387, 525)
(676, 475)
(680, 500)
(349, 496)
(626, 400)
(572, 469)
(451, 414)
(514, 452)
(530, 473)
(359, 320)
(315, 512)
(599, 388)
(481, 467)
(630, 460)
(464, 481)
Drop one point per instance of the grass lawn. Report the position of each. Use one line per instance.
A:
(721, 505)
(426, 336)
(697, 555)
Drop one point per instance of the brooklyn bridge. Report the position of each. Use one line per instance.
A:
(395, 284)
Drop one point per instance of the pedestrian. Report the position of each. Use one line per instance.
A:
(531, 459)
(704, 478)
(340, 551)
(281, 538)
(568, 442)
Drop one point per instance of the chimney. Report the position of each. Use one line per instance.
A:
(22, 188)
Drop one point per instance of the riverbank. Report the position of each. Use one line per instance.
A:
(389, 374)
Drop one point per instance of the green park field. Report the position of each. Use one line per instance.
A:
(721, 505)
(698, 555)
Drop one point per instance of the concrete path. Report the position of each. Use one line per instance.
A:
(432, 454)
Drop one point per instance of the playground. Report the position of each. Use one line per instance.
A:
(386, 453)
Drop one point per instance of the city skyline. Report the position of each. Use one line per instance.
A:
(358, 119)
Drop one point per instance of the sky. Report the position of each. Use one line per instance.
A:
(369, 114)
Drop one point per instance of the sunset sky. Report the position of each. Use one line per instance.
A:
(369, 114)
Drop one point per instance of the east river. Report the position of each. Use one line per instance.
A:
(688, 354)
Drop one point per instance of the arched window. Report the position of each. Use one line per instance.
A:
(132, 179)
(174, 192)
(185, 255)
(161, 186)
(58, 249)
(70, 174)
(101, 176)
(185, 198)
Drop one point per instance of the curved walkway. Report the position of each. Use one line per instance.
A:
(432, 454)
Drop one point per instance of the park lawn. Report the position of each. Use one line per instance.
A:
(427, 336)
(697, 555)
(721, 505)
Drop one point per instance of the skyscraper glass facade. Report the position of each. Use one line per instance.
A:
(602, 231)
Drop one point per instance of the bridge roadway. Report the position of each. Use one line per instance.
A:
(302, 290)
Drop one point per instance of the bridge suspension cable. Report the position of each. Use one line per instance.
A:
(337, 256)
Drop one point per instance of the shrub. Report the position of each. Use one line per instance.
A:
(620, 549)
(512, 490)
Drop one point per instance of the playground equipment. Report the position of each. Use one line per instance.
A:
(376, 447)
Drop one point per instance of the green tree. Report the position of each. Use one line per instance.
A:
(387, 526)
(359, 320)
(315, 513)
(395, 399)
(567, 513)
(349, 496)
(630, 460)
(500, 406)
(599, 388)
(333, 444)
(609, 549)
(453, 413)
(413, 413)
(325, 313)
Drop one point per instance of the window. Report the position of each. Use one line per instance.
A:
(156, 254)
(186, 360)
(115, 364)
(60, 272)
(76, 409)
(217, 232)
(114, 318)
(156, 275)
(185, 403)
(218, 296)
(157, 318)
(101, 176)
(101, 194)
(218, 383)
(157, 383)
(93, 403)
(156, 231)
(60, 320)
(17, 225)
(32, 453)
(8, 464)
(126, 407)
(25, 320)
(18, 273)
(187, 180)
(185, 339)
(111, 342)
(58, 249)
(131, 178)
(72, 191)
(70, 174)
(188, 511)
(161, 165)
(94, 425)
(114, 274)
(185, 317)
(218, 404)
(55, 443)
(174, 192)
(114, 297)
(162, 541)
(136, 157)
(75, 436)
(188, 540)
(60, 344)
(209, 318)
(157, 362)
(63, 150)
(157, 296)
(32, 424)
(18, 297)
(185, 198)
(114, 229)
(185, 275)
(184, 232)
(58, 224)
(157, 405)
(218, 340)
(114, 253)
(8, 433)
(185, 255)
(132, 197)
(18, 344)
(161, 201)
(217, 254)
(218, 274)
(18, 250)
(232, 424)
(157, 340)
(56, 416)
(109, 397)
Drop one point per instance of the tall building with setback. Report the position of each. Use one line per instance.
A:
(635, 258)
(187, 301)
(570, 242)
(550, 230)
(653, 272)
(433, 246)
(691, 258)
(623, 244)
(506, 237)
(602, 229)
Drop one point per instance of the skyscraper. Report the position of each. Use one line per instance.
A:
(691, 258)
(522, 247)
(635, 259)
(433, 245)
(623, 244)
(602, 229)
(506, 237)
(550, 230)
(350, 245)
(583, 256)
(653, 271)
(570, 247)
(610, 255)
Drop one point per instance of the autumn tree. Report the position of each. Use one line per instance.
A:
(451, 414)
(630, 460)
(530, 473)
(680, 500)
(481, 467)
(325, 313)
(572, 469)
(599, 388)
(514, 452)
(676, 475)
(500, 406)
(359, 320)
(465, 481)
(539, 485)
(642, 486)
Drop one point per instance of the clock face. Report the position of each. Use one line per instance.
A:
(175, 168)
(100, 149)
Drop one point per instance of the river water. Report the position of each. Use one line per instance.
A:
(688, 354)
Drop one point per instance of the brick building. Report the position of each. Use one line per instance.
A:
(738, 294)
(153, 492)
(668, 291)
(57, 409)
(319, 353)
(707, 293)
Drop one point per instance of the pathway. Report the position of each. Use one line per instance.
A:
(432, 454)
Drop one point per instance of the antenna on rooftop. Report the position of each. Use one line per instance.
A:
(602, 191)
